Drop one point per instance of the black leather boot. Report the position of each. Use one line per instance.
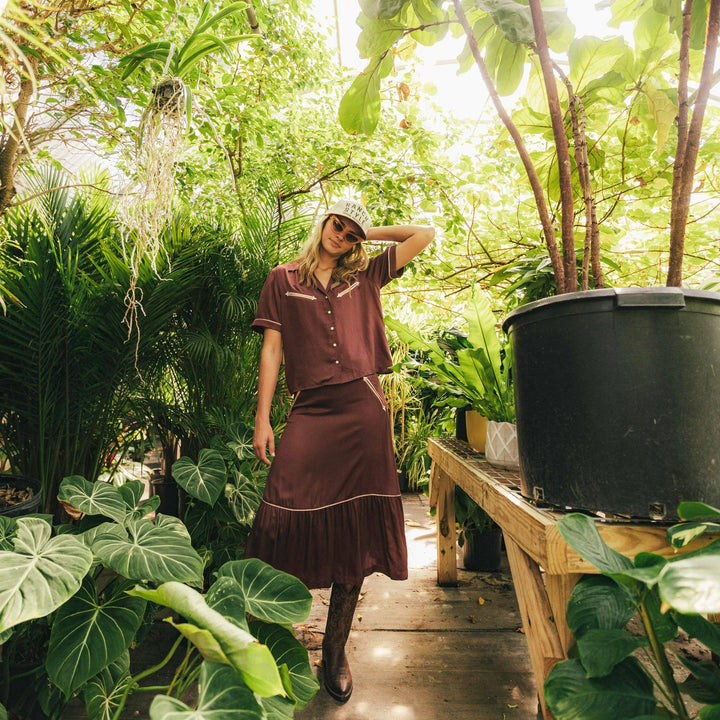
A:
(336, 670)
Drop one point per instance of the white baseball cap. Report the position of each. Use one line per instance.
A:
(352, 210)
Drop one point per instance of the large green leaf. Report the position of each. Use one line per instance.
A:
(226, 597)
(580, 533)
(601, 650)
(155, 552)
(225, 640)
(697, 626)
(359, 110)
(703, 685)
(692, 585)
(710, 712)
(41, 573)
(88, 634)
(204, 480)
(132, 491)
(102, 693)
(8, 528)
(93, 498)
(287, 650)
(598, 603)
(243, 496)
(270, 594)
(222, 696)
(383, 9)
(377, 36)
(626, 693)
(697, 511)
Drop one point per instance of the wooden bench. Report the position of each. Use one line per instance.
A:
(544, 568)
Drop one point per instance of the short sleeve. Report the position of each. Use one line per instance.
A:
(268, 310)
(383, 267)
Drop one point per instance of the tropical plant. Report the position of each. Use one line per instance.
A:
(66, 368)
(479, 372)
(674, 45)
(79, 584)
(225, 485)
(615, 673)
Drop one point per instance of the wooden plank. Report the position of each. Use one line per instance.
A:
(525, 523)
(559, 589)
(542, 635)
(446, 531)
(433, 488)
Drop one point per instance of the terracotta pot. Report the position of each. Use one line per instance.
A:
(476, 426)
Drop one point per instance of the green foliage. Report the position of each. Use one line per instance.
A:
(479, 371)
(603, 676)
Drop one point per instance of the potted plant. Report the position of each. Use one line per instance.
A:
(474, 370)
(627, 374)
(479, 536)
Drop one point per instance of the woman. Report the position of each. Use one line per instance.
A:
(332, 511)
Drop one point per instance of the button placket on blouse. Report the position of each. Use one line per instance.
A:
(333, 341)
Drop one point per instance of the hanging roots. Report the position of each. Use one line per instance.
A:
(146, 210)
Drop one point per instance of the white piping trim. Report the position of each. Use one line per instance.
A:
(295, 399)
(269, 320)
(324, 507)
(348, 289)
(300, 295)
(368, 382)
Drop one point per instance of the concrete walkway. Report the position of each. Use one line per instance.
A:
(422, 652)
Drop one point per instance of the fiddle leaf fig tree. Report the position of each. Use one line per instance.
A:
(589, 106)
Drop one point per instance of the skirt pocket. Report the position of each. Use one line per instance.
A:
(376, 393)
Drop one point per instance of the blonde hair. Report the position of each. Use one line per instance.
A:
(348, 266)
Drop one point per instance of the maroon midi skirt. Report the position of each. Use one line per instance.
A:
(332, 509)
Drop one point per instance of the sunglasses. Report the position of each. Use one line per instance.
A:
(339, 227)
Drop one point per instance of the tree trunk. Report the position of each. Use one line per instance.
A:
(536, 186)
(12, 150)
(689, 135)
(561, 147)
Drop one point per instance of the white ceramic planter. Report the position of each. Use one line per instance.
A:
(501, 446)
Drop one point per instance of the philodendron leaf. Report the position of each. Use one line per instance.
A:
(226, 596)
(132, 491)
(597, 602)
(8, 528)
(204, 480)
(286, 649)
(223, 696)
(253, 661)
(625, 693)
(103, 692)
(580, 533)
(692, 585)
(601, 650)
(155, 552)
(145, 508)
(88, 634)
(93, 498)
(270, 594)
(41, 573)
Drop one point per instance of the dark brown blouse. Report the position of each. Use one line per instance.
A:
(329, 336)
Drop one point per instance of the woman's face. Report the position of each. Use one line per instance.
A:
(339, 235)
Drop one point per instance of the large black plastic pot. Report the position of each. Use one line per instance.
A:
(617, 398)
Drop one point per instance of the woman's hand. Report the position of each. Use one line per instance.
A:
(263, 440)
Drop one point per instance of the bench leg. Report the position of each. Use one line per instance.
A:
(442, 491)
(543, 638)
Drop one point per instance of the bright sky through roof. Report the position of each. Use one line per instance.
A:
(440, 67)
